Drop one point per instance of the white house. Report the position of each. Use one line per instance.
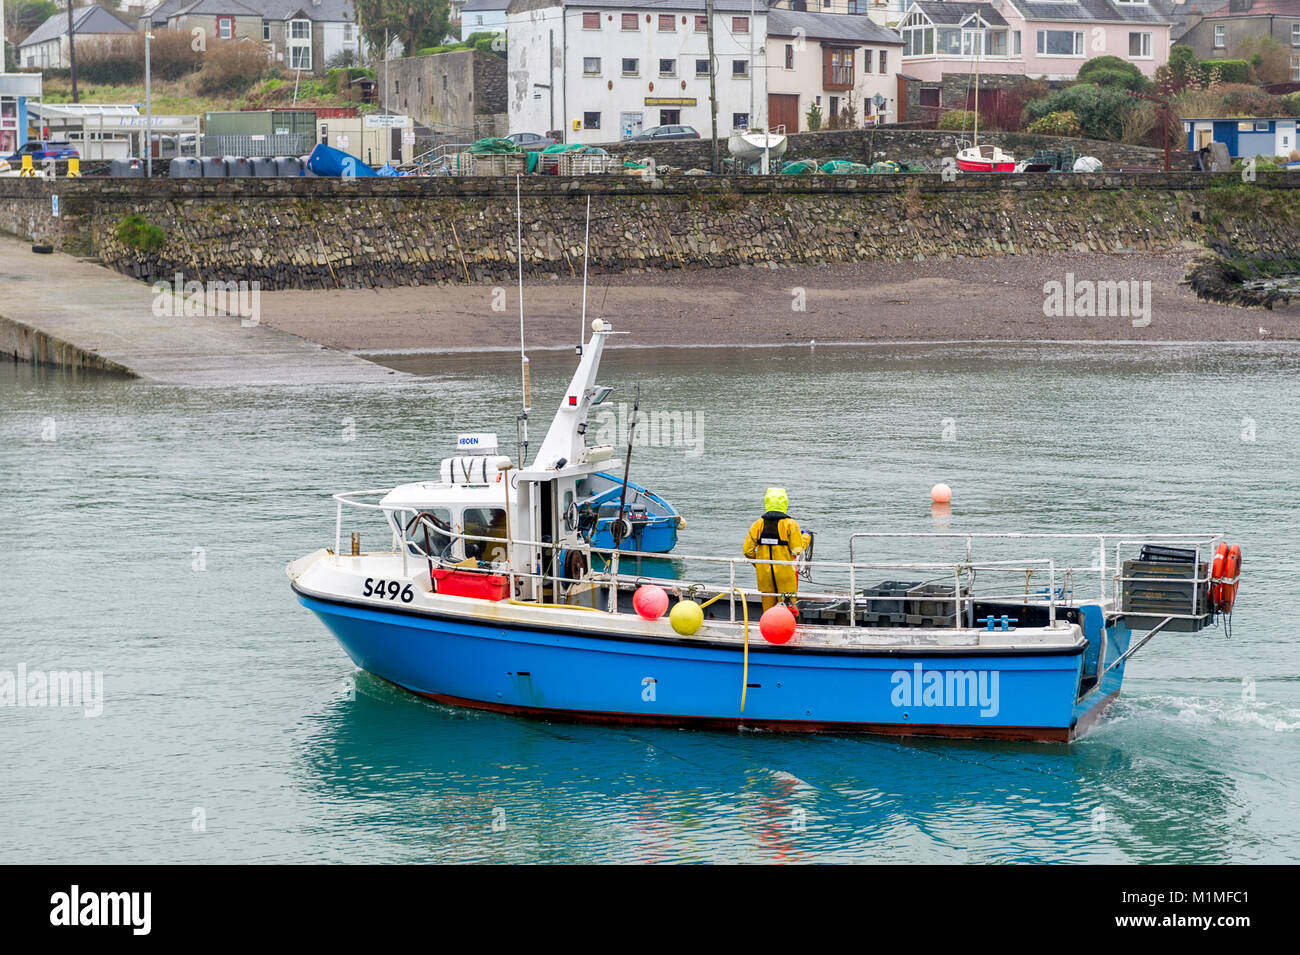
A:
(482, 16)
(46, 47)
(838, 62)
(602, 72)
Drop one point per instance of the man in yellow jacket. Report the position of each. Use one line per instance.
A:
(776, 536)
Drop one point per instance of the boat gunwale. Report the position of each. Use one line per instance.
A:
(757, 645)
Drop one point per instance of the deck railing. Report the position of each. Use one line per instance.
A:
(962, 573)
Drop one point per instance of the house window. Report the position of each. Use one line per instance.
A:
(702, 67)
(591, 120)
(789, 56)
(670, 117)
(591, 65)
(995, 43)
(1139, 46)
(1295, 34)
(1218, 36)
(266, 29)
(1060, 43)
(1295, 69)
(837, 69)
(630, 22)
(884, 61)
(667, 23)
(591, 21)
(225, 27)
(740, 120)
(631, 66)
(1015, 43)
(299, 45)
(299, 29)
(740, 24)
(667, 67)
(701, 24)
(740, 69)
(866, 60)
(349, 32)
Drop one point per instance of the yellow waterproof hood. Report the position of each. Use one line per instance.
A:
(776, 500)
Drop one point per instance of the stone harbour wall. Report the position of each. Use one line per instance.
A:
(318, 233)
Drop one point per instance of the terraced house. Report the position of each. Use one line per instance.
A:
(1217, 33)
(307, 35)
(1048, 39)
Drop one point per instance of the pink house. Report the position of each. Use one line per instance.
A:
(1047, 39)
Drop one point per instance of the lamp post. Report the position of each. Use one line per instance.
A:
(148, 111)
(879, 102)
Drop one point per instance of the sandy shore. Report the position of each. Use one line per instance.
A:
(966, 299)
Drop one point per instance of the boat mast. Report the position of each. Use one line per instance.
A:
(979, 36)
(586, 254)
(521, 422)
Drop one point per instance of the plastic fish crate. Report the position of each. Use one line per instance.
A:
(888, 588)
(1166, 587)
(933, 601)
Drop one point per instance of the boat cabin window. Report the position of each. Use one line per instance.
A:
(436, 522)
(485, 522)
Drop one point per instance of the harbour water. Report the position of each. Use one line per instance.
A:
(146, 529)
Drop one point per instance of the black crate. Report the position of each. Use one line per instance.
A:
(888, 588)
(1164, 587)
(1154, 552)
(932, 600)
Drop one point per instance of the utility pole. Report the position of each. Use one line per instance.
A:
(713, 83)
(148, 112)
(72, 53)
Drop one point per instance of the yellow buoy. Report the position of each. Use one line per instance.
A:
(687, 617)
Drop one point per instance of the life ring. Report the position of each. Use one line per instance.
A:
(575, 567)
(1216, 572)
(1228, 587)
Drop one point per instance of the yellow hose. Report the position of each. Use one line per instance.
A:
(744, 679)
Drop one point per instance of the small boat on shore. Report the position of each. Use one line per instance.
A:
(503, 605)
(982, 157)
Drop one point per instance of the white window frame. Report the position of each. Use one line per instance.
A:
(1146, 45)
(588, 59)
(1041, 45)
(662, 61)
(740, 62)
(225, 24)
(636, 65)
(1295, 34)
(298, 48)
(1220, 41)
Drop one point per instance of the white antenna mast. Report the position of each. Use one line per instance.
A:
(523, 357)
(586, 254)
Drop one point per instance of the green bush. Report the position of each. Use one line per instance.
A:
(1291, 104)
(1112, 71)
(1101, 110)
(134, 232)
(958, 119)
(1229, 71)
(1063, 123)
(814, 118)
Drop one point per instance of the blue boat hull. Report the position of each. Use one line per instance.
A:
(557, 674)
(656, 536)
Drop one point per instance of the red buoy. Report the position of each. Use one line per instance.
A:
(777, 624)
(650, 601)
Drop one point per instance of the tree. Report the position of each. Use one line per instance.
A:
(415, 23)
(24, 16)
(1271, 62)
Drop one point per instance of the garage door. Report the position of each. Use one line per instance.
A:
(783, 110)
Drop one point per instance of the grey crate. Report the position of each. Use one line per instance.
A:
(185, 168)
(127, 168)
(214, 167)
(237, 165)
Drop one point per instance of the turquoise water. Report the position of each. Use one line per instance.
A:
(235, 729)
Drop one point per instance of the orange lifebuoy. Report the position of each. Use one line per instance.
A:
(1228, 588)
(1216, 571)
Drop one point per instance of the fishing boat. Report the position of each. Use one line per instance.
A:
(982, 157)
(500, 603)
(757, 147)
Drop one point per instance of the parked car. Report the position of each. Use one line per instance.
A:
(658, 134)
(531, 140)
(40, 149)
